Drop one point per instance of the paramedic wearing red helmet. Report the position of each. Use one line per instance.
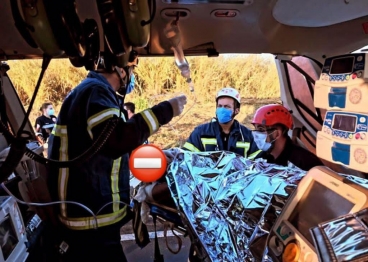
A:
(272, 123)
(224, 132)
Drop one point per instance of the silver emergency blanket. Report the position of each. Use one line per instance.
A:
(230, 202)
(358, 180)
(343, 239)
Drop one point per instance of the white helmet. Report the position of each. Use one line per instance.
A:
(229, 92)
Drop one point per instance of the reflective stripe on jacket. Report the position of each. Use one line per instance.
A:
(207, 137)
(102, 182)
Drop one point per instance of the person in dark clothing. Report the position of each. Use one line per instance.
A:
(45, 123)
(272, 123)
(101, 182)
(224, 132)
(130, 108)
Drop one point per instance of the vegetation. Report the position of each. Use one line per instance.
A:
(158, 79)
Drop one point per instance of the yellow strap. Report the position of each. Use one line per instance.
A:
(208, 141)
(191, 147)
(244, 145)
(59, 130)
(83, 223)
(252, 156)
(115, 184)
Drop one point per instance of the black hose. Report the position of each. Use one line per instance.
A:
(90, 152)
(18, 144)
(143, 22)
(18, 149)
(45, 63)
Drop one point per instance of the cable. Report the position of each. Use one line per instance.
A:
(91, 151)
(64, 202)
(51, 203)
(112, 202)
(152, 15)
(171, 125)
(45, 63)
(18, 143)
(182, 115)
(23, 149)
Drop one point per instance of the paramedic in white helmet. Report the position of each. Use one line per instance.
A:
(224, 132)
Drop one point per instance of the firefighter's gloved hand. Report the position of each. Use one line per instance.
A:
(171, 154)
(177, 104)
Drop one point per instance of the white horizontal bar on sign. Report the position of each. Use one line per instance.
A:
(147, 162)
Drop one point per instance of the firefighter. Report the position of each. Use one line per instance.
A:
(101, 181)
(224, 132)
(272, 123)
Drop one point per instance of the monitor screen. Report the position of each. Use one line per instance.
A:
(317, 205)
(8, 237)
(344, 123)
(342, 65)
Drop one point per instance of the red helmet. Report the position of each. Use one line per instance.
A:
(270, 115)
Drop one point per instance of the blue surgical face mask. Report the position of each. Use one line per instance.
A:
(224, 115)
(50, 112)
(260, 140)
(130, 86)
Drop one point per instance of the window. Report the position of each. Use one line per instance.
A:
(302, 89)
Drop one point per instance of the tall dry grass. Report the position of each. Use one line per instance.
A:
(59, 79)
(255, 76)
(157, 79)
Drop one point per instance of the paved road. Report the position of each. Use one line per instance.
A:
(134, 253)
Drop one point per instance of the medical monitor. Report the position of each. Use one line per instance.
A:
(321, 195)
(12, 231)
(343, 83)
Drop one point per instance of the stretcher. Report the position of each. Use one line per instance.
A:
(227, 205)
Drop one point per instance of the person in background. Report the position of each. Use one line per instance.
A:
(272, 123)
(45, 123)
(224, 132)
(130, 108)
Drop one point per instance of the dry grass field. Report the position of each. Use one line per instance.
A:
(157, 79)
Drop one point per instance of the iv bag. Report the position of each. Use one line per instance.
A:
(173, 35)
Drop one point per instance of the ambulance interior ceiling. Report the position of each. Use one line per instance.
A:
(314, 28)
